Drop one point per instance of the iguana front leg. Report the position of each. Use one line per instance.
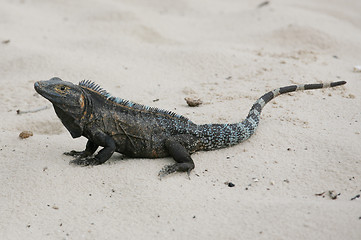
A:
(99, 139)
(91, 147)
(180, 154)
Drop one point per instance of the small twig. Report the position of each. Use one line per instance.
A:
(32, 111)
(265, 3)
(355, 197)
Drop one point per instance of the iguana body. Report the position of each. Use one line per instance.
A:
(136, 130)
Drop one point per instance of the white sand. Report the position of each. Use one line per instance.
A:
(228, 53)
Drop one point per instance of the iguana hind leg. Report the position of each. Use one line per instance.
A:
(180, 154)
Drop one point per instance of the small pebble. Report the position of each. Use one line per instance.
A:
(192, 102)
(357, 68)
(333, 195)
(230, 184)
(25, 134)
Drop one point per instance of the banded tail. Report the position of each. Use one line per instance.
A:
(215, 136)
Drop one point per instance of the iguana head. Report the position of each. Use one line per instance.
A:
(65, 95)
(68, 101)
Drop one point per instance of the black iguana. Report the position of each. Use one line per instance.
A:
(136, 130)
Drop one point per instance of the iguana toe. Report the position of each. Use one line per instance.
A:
(73, 153)
(88, 161)
(178, 167)
(168, 169)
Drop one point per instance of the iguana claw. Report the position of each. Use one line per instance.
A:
(168, 169)
(74, 153)
(88, 161)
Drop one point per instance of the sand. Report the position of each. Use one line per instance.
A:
(227, 53)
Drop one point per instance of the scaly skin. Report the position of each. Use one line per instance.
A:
(136, 130)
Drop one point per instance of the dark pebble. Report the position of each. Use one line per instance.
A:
(231, 184)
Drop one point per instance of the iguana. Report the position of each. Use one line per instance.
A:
(137, 130)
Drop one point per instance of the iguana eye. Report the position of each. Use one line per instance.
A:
(61, 89)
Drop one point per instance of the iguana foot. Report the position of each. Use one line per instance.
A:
(168, 169)
(178, 167)
(74, 153)
(88, 161)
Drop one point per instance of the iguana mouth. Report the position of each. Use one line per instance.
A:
(37, 86)
(52, 96)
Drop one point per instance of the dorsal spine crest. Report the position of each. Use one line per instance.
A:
(90, 85)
